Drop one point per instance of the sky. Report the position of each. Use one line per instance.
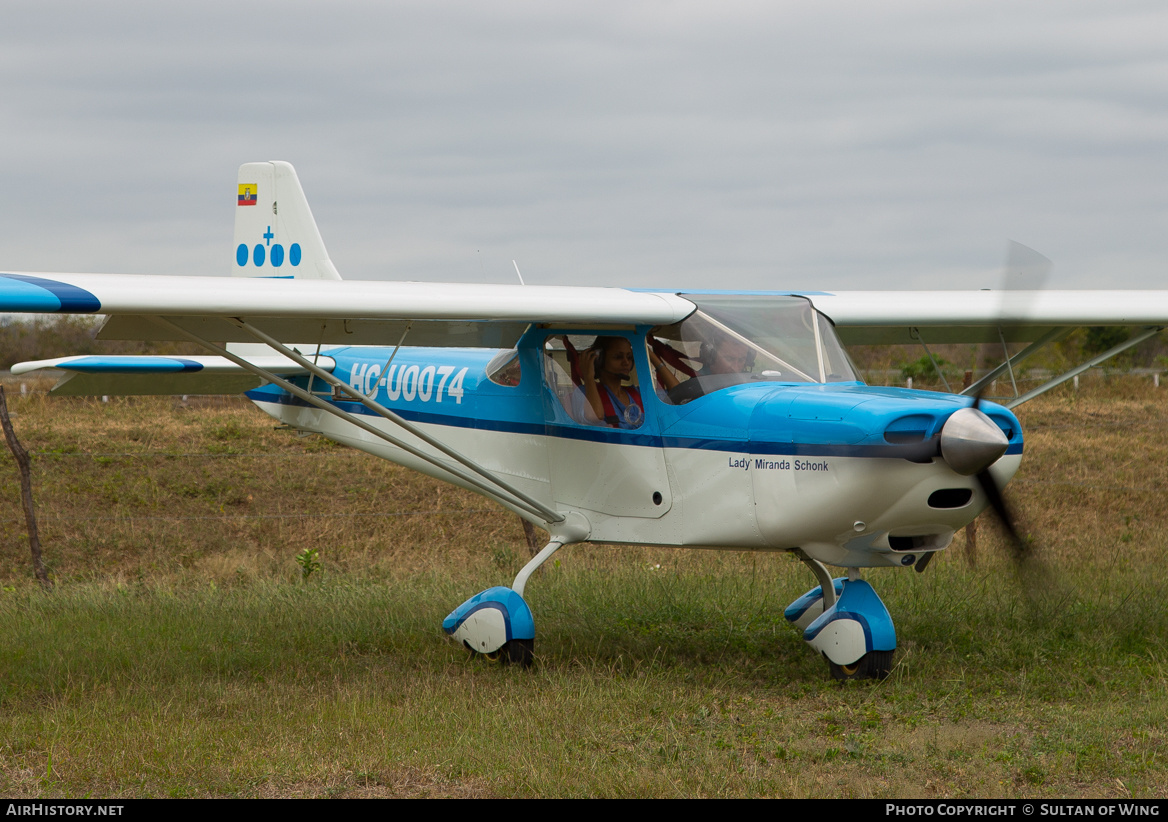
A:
(764, 145)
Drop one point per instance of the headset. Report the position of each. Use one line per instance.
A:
(709, 353)
(600, 346)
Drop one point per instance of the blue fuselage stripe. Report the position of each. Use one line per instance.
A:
(613, 435)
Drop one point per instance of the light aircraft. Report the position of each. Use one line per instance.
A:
(486, 387)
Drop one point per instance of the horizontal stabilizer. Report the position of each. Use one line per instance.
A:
(94, 375)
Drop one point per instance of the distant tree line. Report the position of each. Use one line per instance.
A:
(1080, 346)
(60, 335)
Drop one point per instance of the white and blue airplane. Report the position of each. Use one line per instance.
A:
(732, 420)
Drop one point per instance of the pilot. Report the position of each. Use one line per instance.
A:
(722, 356)
(727, 356)
(603, 398)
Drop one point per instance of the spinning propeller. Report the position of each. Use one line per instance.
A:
(989, 486)
(970, 441)
(1026, 273)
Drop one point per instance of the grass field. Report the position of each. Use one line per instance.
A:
(181, 652)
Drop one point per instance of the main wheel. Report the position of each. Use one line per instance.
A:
(872, 665)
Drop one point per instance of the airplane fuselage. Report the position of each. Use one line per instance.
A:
(768, 465)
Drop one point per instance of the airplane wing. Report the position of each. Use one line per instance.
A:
(495, 316)
(901, 317)
(330, 311)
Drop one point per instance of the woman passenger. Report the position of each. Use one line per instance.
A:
(603, 398)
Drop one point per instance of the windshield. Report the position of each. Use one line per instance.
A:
(735, 338)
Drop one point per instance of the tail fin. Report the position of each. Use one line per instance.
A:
(275, 235)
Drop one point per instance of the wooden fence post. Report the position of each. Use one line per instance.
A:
(534, 543)
(22, 462)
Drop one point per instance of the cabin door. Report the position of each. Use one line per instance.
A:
(618, 471)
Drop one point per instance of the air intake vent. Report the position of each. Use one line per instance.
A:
(910, 429)
(950, 498)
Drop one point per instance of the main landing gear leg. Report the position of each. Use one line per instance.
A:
(849, 626)
(497, 622)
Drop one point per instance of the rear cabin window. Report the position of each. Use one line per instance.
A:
(503, 369)
(614, 400)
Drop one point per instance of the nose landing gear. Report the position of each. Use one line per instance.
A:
(849, 625)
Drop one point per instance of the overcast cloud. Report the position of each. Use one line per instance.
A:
(834, 145)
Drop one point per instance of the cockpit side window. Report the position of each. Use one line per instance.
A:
(734, 339)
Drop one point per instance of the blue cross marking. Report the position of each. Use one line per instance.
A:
(268, 236)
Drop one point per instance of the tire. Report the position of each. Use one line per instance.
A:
(516, 652)
(872, 665)
(520, 652)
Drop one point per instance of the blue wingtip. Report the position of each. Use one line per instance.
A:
(131, 365)
(24, 294)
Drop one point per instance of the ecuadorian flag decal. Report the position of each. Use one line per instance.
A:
(248, 193)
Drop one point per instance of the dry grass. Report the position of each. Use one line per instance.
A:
(144, 488)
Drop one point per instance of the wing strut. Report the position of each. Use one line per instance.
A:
(1009, 362)
(1052, 336)
(915, 333)
(1106, 355)
(493, 486)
